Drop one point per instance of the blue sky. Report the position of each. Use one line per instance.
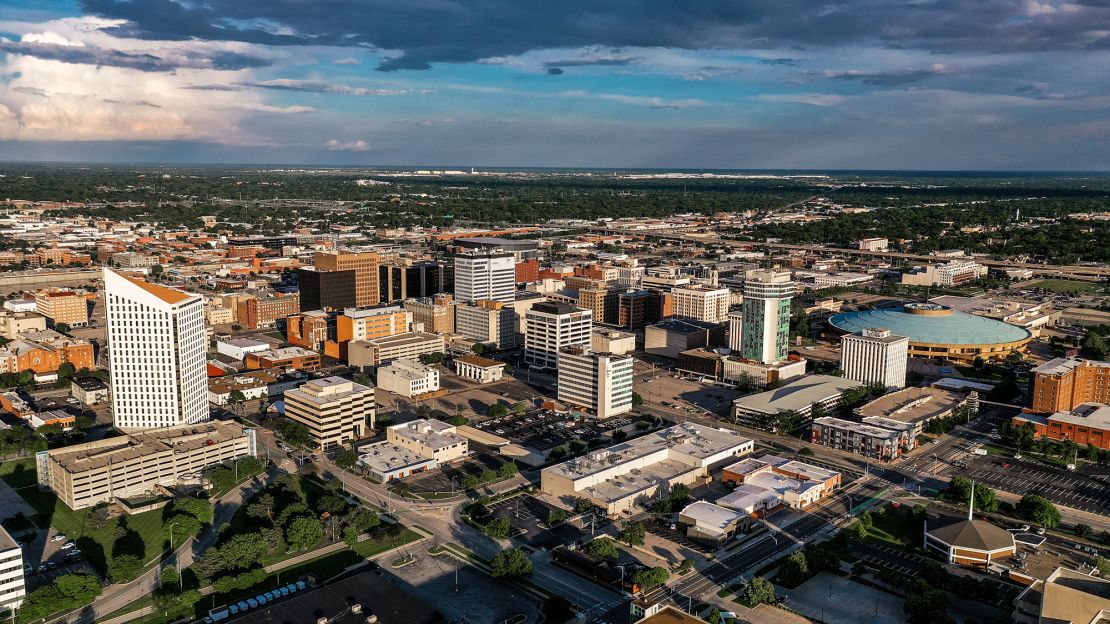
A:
(871, 84)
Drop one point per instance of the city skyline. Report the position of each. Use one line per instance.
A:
(940, 85)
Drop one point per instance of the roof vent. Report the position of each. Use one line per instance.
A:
(321, 620)
(356, 608)
(371, 619)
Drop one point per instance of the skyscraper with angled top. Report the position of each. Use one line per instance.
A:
(156, 343)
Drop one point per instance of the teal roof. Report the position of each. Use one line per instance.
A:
(955, 328)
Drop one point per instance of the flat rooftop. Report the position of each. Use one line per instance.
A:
(429, 432)
(388, 457)
(796, 394)
(185, 438)
(407, 338)
(913, 404)
(6, 541)
(1095, 415)
(847, 425)
(1060, 366)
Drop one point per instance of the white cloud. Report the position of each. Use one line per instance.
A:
(347, 61)
(812, 99)
(336, 145)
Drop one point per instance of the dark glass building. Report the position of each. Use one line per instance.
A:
(326, 289)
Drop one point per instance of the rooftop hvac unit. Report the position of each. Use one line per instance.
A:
(356, 608)
(371, 619)
(322, 620)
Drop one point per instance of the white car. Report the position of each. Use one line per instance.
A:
(68, 545)
(58, 538)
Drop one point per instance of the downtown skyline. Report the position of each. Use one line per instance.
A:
(1001, 85)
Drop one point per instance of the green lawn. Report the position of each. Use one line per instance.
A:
(895, 527)
(1062, 285)
(99, 540)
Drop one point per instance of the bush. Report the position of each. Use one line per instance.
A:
(511, 562)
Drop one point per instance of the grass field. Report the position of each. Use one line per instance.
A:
(99, 540)
(1061, 285)
(895, 527)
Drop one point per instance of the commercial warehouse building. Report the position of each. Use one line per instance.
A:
(85, 475)
(617, 478)
(772, 482)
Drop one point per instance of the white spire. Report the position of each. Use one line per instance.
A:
(971, 503)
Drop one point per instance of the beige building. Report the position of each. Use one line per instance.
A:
(623, 475)
(63, 306)
(612, 341)
(365, 266)
(14, 323)
(1065, 597)
(436, 314)
(134, 465)
(408, 378)
(336, 411)
(12, 586)
(385, 350)
(429, 438)
(480, 369)
(704, 303)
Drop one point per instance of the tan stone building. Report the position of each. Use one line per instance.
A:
(365, 266)
(336, 411)
(63, 306)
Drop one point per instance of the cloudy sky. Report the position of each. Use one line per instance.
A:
(872, 84)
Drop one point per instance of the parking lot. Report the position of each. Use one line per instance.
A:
(527, 518)
(1026, 477)
(440, 479)
(543, 431)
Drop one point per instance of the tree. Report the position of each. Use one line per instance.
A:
(156, 270)
(927, 607)
(556, 516)
(633, 534)
(479, 348)
(582, 505)
(805, 451)
(261, 506)
(333, 504)
(1102, 564)
(169, 578)
(577, 446)
(650, 578)
(959, 490)
(347, 459)
(619, 435)
(714, 616)
(198, 508)
(794, 570)
(124, 568)
(637, 400)
(511, 562)
(243, 551)
(1019, 436)
(236, 398)
(520, 407)
(295, 433)
(861, 531)
(685, 565)
(1004, 392)
(1083, 530)
(603, 547)
(497, 410)
(1039, 510)
(758, 591)
(304, 532)
(182, 527)
(978, 363)
(498, 528)
(507, 470)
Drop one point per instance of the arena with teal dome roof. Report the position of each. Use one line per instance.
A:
(937, 331)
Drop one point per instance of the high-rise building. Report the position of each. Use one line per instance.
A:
(12, 587)
(485, 275)
(600, 382)
(264, 312)
(436, 314)
(156, 342)
(640, 308)
(765, 326)
(336, 411)
(552, 326)
(703, 303)
(488, 322)
(1063, 383)
(404, 279)
(326, 289)
(875, 356)
(603, 302)
(63, 307)
(365, 266)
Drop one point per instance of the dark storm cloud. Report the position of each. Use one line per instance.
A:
(92, 55)
(429, 31)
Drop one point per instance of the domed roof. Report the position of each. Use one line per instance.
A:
(930, 323)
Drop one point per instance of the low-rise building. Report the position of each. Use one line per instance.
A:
(238, 348)
(286, 357)
(969, 542)
(869, 439)
(12, 324)
(772, 482)
(59, 418)
(747, 372)
(797, 396)
(919, 406)
(623, 475)
(673, 336)
(89, 390)
(137, 464)
(1065, 597)
(335, 411)
(363, 353)
(43, 352)
(408, 378)
(220, 389)
(1087, 423)
(479, 369)
(709, 523)
(411, 448)
(951, 273)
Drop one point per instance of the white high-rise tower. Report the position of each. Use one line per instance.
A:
(156, 342)
(483, 274)
(875, 356)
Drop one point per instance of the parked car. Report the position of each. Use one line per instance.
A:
(68, 545)
(60, 537)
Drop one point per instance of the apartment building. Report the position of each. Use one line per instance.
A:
(703, 303)
(436, 314)
(408, 377)
(951, 273)
(868, 440)
(336, 411)
(552, 326)
(761, 332)
(157, 342)
(599, 382)
(265, 312)
(485, 274)
(875, 356)
(365, 267)
(1063, 383)
(363, 353)
(12, 585)
(137, 464)
(63, 307)
(487, 321)
(368, 324)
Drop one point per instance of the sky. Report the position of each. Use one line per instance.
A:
(767, 84)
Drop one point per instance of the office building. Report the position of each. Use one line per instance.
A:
(371, 323)
(285, 357)
(951, 273)
(765, 322)
(310, 330)
(603, 302)
(676, 335)
(1063, 383)
(264, 312)
(157, 343)
(620, 476)
(137, 464)
(1086, 423)
(408, 378)
(403, 279)
(336, 411)
(131, 260)
(12, 584)
(797, 395)
(12, 324)
(875, 356)
(770, 483)
(479, 369)
(363, 353)
(1065, 597)
(365, 266)
(640, 308)
(612, 341)
(89, 390)
(599, 382)
(711, 524)
(867, 439)
(552, 326)
(874, 244)
(436, 314)
(703, 303)
(413, 447)
(323, 290)
(485, 275)
(488, 322)
(63, 307)
(749, 373)
(520, 248)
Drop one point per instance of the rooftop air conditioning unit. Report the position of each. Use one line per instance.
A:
(356, 608)
(322, 620)
(371, 619)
